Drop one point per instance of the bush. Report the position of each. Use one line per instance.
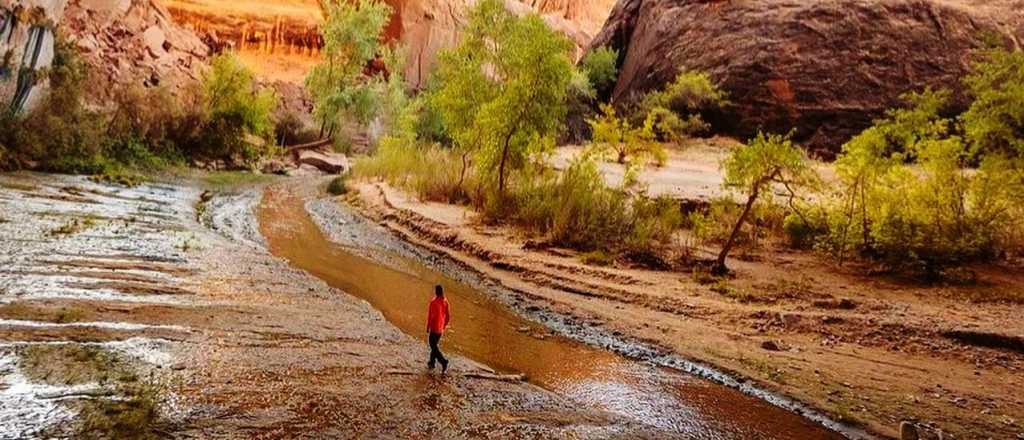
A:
(601, 67)
(995, 121)
(677, 111)
(142, 129)
(425, 169)
(907, 198)
(338, 186)
(577, 210)
(617, 135)
(239, 124)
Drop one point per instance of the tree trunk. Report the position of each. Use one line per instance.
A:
(501, 166)
(720, 268)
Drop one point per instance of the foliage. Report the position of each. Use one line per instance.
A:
(754, 168)
(932, 214)
(907, 195)
(502, 90)
(625, 141)
(339, 85)
(676, 110)
(601, 68)
(995, 121)
(576, 209)
(142, 129)
(426, 169)
(338, 186)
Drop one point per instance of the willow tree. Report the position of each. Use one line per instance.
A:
(503, 88)
(339, 85)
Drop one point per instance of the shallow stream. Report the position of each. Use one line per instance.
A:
(487, 331)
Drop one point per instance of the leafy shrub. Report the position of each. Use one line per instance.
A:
(677, 110)
(577, 210)
(908, 199)
(601, 68)
(623, 139)
(338, 186)
(238, 124)
(995, 121)
(142, 129)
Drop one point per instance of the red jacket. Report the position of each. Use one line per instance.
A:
(437, 315)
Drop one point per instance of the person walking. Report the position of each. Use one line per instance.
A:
(437, 320)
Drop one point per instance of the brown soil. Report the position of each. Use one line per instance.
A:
(868, 350)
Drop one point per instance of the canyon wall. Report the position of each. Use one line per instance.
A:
(280, 39)
(826, 68)
(26, 49)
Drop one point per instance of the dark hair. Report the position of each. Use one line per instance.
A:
(438, 290)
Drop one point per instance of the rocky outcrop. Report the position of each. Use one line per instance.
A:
(588, 15)
(264, 30)
(328, 162)
(26, 50)
(427, 26)
(133, 42)
(826, 68)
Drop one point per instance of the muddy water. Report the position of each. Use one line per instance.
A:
(488, 332)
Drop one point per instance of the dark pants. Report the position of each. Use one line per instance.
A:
(435, 352)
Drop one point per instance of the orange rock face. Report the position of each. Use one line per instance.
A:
(280, 38)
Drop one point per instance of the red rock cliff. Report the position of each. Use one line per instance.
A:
(825, 67)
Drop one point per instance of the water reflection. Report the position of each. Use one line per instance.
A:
(488, 332)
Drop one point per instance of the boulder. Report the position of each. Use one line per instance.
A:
(330, 163)
(154, 39)
(825, 68)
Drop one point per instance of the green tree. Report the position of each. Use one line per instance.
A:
(676, 110)
(503, 88)
(238, 112)
(601, 67)
(753, 169)
(995, 120)
(338, 85)
(868, 158)
(622, 138)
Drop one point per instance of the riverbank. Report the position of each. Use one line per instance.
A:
(867, 350)
(158, 310)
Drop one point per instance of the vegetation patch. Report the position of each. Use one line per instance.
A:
(127, 409)
(225, 117)
(73, 226)
(338, 186)
(224, 180)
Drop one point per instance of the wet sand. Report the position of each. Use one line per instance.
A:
(489, 332)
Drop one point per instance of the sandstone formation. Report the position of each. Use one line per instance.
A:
(266, 32)
(428, 26)
(826, 68)
(26, 49)
(133, 42)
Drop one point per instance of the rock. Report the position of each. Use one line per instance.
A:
(330, 163)
(908, 431)
(771, 345)
(154, 38)
(106, 8)
(274, 166)
(824, 68)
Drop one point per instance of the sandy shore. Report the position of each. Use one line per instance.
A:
(867, 350)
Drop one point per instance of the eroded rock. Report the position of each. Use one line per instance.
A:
(330, 163)
(825, 68)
